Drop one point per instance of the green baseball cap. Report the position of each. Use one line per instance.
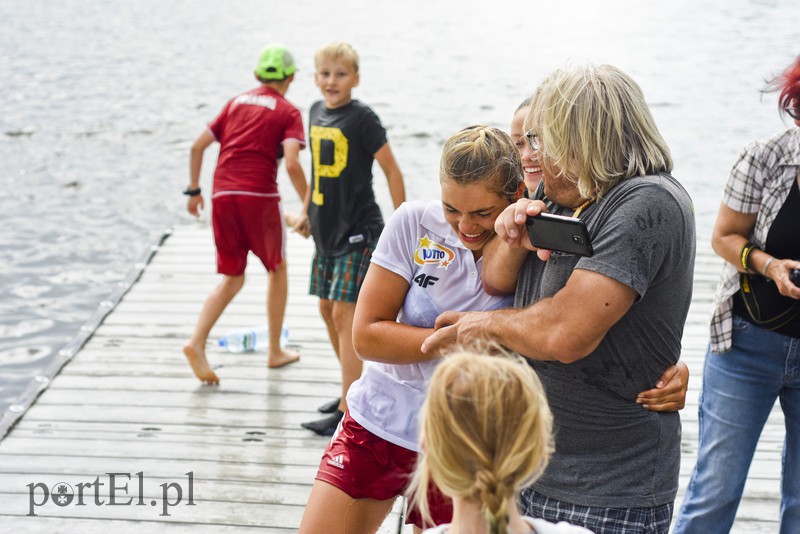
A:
(275, 63)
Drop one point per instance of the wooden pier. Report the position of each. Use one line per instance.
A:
(128, 404)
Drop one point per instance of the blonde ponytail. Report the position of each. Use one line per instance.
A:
(487, 433)
(494, 496)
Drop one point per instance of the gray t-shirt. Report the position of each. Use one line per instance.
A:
(611, 452)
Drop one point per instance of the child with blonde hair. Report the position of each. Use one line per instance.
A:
(486, 434)
(346, 137)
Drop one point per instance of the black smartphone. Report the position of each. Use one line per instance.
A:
(559, 233)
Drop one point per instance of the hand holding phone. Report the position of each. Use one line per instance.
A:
(559, 233)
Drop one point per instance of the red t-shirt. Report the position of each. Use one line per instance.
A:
(251, 130)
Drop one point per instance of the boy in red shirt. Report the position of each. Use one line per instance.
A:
(254, 129)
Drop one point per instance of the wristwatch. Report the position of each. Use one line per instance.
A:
(192, 192)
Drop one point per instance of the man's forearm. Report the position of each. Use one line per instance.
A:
(528, 332)
(570, 325)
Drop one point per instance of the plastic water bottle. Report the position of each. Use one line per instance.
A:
(243, 340)
(250, 339)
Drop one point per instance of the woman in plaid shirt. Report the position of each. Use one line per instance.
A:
(754, 352)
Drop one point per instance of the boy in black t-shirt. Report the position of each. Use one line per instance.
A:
(346, 136)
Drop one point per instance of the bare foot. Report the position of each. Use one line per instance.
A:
(284, 357)
(197, 359)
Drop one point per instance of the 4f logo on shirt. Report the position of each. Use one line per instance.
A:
(425, 280)
(430, 252)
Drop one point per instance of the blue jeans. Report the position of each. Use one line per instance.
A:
(738, 393)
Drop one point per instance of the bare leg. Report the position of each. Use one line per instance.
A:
(339, 320)
(215, 304)
(332, 511)
(276, 308)
(326, 310)
(343, 313)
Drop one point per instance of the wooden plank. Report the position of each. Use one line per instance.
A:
(253, 384)
(207, 415)
(251, 492)
(203, 512)
(122, 430)
(78, 468)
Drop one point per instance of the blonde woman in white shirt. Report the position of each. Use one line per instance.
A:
(428, 260)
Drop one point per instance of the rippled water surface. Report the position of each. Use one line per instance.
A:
(101, 100)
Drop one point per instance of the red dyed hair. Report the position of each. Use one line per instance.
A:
(788, 83)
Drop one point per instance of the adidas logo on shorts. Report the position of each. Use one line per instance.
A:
(337, 461)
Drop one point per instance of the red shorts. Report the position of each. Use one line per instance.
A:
(243, 223)
(368, 467)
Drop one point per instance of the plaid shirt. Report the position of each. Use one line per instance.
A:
(759, 183)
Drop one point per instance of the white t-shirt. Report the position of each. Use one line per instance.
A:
(539, 526)
(419, 245)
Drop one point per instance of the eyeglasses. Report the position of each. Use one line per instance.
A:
(794, 112)
(533, 140)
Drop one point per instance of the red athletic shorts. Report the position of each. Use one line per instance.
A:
(368, 467)
(243, 223)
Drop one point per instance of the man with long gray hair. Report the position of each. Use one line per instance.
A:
(597, 329)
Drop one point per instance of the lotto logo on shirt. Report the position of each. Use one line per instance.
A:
(430, 252)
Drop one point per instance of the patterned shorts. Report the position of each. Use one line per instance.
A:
(340, 277)
(650, 520)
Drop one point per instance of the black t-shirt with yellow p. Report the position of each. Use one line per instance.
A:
(343, 212)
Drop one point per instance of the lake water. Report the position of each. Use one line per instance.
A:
(101, 101)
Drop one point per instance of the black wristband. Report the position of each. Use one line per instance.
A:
(744, 256)
(192, 192)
